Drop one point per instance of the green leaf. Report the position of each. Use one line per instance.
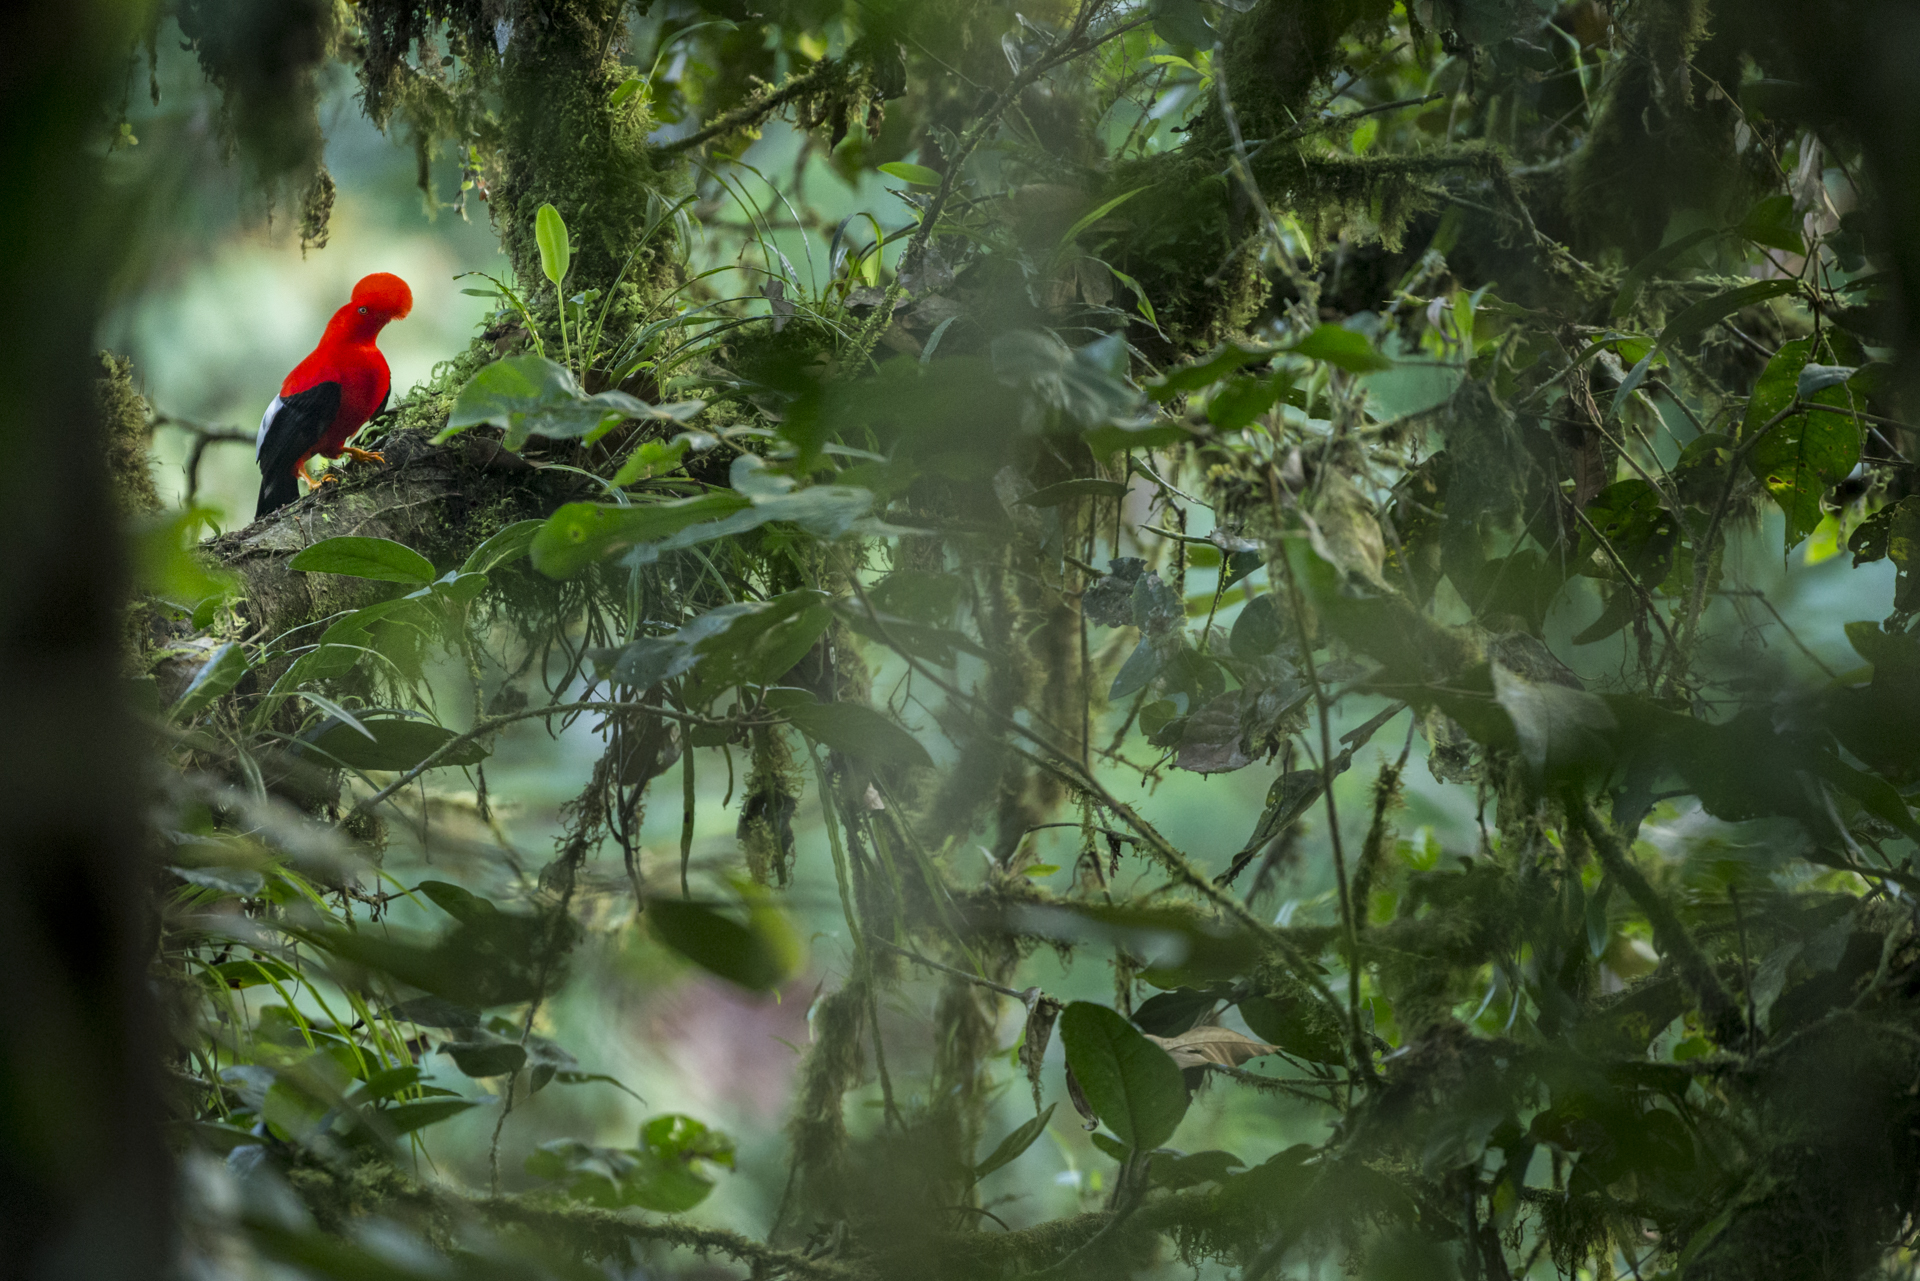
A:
(241, 882)
(556, 252)
(1343, 348)
(1710, 311)
(489, 1056)
(1207, 372)
(399, 743)
(627, 88)
(1108, 440)
(759, 955)
(530, 395)
(1258, 630)
(745, 641)
(1651, 265)
(1141, 667)
(855, 730)
(1803, 457)
(917, 175)
(1771, 223)
(405, 1118)
(581, 533)
(1010, 1148)
(1297, 1024)
(1054, 495)
(380, 559)
(1777, 385)
(220, 673)
(457, 901)
(1182, 24)
(1239, 401)
(1088, 219)
(1562, 730)
(505, 547)
(1131, 1083)
(168, 565)
(675, 1152)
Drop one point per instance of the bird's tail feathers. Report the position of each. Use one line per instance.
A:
(276, 491)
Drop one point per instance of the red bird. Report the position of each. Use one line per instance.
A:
(331, 394)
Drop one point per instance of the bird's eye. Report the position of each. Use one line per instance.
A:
(363, 311)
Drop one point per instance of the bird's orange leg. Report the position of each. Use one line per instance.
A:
(364, 455)
(314, 483)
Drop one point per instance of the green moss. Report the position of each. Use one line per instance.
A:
(124, 413)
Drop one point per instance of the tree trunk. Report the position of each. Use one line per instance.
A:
(83, 1172)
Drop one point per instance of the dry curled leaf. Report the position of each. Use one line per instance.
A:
(1200, 1046)
(1042, 1012)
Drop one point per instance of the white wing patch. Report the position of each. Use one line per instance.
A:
(266, 421)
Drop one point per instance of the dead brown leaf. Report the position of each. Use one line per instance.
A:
(1200, 1046)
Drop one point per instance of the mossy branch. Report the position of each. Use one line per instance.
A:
(761, 106)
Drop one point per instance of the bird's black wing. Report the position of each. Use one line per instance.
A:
(290, 431)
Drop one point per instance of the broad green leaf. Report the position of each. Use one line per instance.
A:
(1297, 1024)
(493, 960)
(399, 743)
(1258, 630)
(917, 175)
(405, 1118)
(530, 395)
(626, 89)
(1207, 372)
(1238, 401)
(1777, 385)
(1562, 730)
(1106, 441)
(1141, 667)
(1343, 348)
(220, 673)
(1710, 311)
(386, 1084)
(380, 559)
(856, 730)
(1132, 1084)
(503, 548)
(676, 1151)
(556, 251)
(457, 901)
(581, 533)
(487, 1056)
(1010, 1148)
(167, 564)
(1803, 457)
(1771, 223)
(759, 955)
(1182, 23)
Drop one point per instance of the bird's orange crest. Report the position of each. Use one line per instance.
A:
(385, 293)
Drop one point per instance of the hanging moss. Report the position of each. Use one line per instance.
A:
(266, 61)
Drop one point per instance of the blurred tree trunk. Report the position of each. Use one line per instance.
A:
(83, 1172)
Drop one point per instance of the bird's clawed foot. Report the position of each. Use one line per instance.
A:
(364, 455)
